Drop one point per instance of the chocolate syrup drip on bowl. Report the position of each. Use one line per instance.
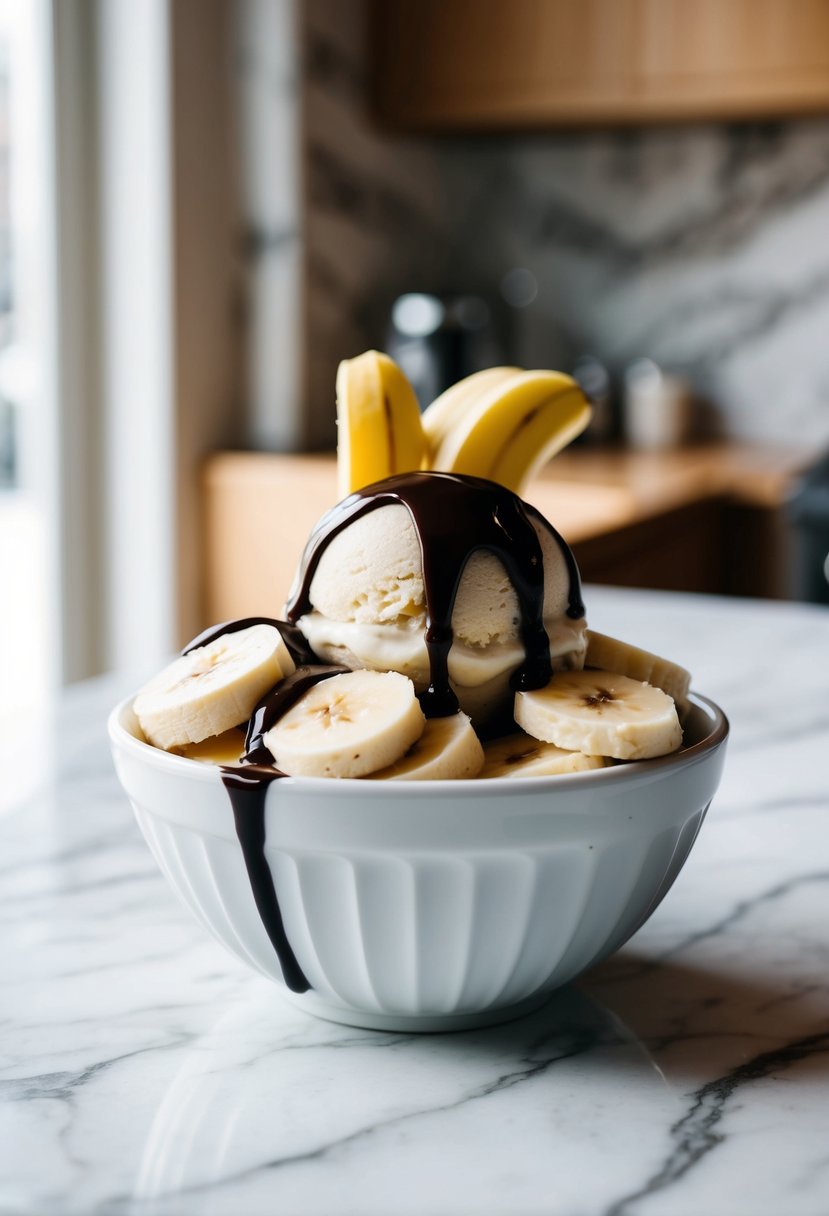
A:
(247, 786)
(455, 516)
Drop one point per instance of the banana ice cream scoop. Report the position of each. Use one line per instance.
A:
(451, 580)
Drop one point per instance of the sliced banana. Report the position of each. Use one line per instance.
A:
(448, 749)
(227, 748)
(521, 755)
(348, 726)
(609, 654)
(207, 691)
(601, 713)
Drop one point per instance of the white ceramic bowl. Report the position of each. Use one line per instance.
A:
(430, 905)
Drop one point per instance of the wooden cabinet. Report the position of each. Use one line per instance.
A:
(487, 64)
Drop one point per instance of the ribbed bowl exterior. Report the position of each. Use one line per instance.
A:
(427, 902)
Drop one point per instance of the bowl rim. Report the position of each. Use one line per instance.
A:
(122, 737)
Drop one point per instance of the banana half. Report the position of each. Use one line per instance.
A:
(449, 409)
(209, 690)
(601, 713)
(379, 432)
(506, 426)
(348, 726)
(521, 755)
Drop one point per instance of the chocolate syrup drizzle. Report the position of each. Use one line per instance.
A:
(293, 638)
(277, 702)
(247, 786)
(454, 516)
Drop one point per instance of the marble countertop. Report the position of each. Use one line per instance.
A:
(145, 1071)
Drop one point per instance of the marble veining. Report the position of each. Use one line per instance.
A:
(144, 1072)
(696, 246)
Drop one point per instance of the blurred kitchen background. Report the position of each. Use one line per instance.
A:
(206, 204)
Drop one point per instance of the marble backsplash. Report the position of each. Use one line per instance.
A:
(705, 248)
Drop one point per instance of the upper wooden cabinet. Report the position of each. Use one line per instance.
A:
(487, 64)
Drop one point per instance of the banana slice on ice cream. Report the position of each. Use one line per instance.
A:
(448, 749)
(520, 755)
(601, 713)
(348, 726)
(208, 690)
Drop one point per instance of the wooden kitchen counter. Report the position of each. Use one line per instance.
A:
(702, 518)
